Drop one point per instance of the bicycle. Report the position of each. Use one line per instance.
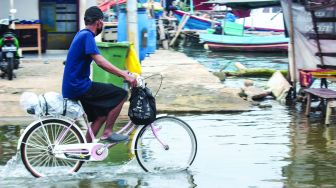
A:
(56, 144)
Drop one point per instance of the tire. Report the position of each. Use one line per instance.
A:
(10, 67)
(16, 63)
(180, 138)
(39, 160)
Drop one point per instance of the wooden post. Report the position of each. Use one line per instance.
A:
(292, 62)
(184, 20)
(162, 34)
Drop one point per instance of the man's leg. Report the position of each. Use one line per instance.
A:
(95, 126)
(111, 119)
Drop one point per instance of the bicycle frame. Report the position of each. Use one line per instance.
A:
(85, 150)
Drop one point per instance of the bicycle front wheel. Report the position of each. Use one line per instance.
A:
(169, 144)
(38, 144)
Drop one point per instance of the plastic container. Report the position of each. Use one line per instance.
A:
(151, 36)
(122, 26)
(115, 53)
(142, 30)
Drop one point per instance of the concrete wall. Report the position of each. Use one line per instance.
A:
(26, 9)
(83, 5)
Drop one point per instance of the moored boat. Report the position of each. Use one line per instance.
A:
(195, 22)
(248, 43)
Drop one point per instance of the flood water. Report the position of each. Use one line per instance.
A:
(266, 147)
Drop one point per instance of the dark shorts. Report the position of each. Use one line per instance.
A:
(100, 99)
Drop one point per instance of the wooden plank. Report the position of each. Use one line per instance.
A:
(162, 35)
(309, 6)
(322, 36)
(322, 92)
(325, 19)
(184, 20)
(329, 54)
(327, 66)
(325, 95)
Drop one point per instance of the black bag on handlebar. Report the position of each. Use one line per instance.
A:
(142, 109)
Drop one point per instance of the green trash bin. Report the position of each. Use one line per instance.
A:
(116, 54)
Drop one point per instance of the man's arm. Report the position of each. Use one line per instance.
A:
(107, 66)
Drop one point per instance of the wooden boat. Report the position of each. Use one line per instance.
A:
(247, 43)
(195, 22)
(200, 23)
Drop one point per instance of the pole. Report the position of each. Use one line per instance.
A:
(11, 9)
(12, 12)
(191, 7)
(292, 60)
(132, 24)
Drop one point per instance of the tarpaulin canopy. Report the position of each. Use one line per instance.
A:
(108, 4)
(246, 4)
(303, 35)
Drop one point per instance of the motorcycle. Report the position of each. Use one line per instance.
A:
(9, 46)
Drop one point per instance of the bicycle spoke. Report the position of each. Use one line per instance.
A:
(37, 157)
(45, 162)
(39, 136)
(66, 139)
(46, 135)
(37, 146)
(169, 145)
(68, 163)
(58, 131)
(38, 139)
(42, 162)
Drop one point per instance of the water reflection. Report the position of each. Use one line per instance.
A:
(215, 61)
(9, 136)
(312, 155)
(274, 147)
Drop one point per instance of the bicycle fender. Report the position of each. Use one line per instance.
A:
(133, 140)
(43, 119)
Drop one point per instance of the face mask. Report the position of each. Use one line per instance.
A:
(99, 30)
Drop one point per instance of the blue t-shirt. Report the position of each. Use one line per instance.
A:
(230, 17)
(76, 77)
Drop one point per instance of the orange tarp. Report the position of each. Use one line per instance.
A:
(106, 5)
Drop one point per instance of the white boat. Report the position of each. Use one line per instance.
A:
(264, 19)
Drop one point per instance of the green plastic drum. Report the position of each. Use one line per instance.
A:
(116, 54)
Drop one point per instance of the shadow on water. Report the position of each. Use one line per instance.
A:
(266, 147)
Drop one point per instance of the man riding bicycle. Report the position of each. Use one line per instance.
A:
(101, 102)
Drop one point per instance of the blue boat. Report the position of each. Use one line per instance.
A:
(247, 43)
(195, 22)
(200, 23)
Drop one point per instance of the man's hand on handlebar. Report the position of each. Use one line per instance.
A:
(131, 80)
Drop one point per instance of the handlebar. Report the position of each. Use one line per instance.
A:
(7, 21)
(141, 83)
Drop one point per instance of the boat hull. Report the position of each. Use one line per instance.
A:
(246, 43)
(195, 22)
(280, 47)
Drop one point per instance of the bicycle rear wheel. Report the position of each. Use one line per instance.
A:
(38, 143)
(176, 135)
